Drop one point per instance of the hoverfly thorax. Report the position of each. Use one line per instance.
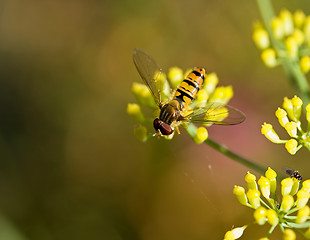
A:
(170, 112)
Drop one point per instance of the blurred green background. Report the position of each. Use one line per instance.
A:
(70, 167)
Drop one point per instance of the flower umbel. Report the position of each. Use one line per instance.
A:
(168, 84)
(289, 213)
(289, 39)
(289, 118)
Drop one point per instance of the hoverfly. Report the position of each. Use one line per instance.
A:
(172, 112)
(293, 173)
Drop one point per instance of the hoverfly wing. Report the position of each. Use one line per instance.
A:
(149, 71)
(215, 113)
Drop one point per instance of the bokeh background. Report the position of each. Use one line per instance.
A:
(70, 166)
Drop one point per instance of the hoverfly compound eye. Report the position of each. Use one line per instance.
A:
(164, 128)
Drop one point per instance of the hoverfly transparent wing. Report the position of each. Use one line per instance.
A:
(149, 72)
(215, 113)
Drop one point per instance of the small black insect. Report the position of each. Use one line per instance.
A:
(293, 174)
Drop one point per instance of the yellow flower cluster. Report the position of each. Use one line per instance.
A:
(289, 213)
(289, 118)
(209, 92)
(291, 33)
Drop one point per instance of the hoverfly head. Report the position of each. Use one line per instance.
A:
(162, 127)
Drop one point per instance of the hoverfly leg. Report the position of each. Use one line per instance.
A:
(177, 128)
(183, 123)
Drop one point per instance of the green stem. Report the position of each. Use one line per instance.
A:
(192, 131)
(290, 66)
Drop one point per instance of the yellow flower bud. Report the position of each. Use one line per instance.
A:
(222, 94)
(307, 233)
(281, 114)
(264, 185)
(270, 134)
(272, 217)
(269, 57)
(254, 197)
(272, 176)
(299, 18)
(239, 192)
(289, 108)
(235, 233)
(175, 76)
(287, 21)
(201, 136)
(292, 47)
(291, 128)
(303, 214)
(287, 203)
(305, 64)
(297, 106)
(306, 185)
(162, 84)
(134, 111)
(261, 38)
(277, 28)
(260, 215)
(302, 198)
(286, 186)
(143, 95)
(299, 36)
(251, 181)
(289, 234)
(291, 146)
(210, 83)
(202, 98)
(308, 112)
(295, 186)
(141, 133)
(307, 30)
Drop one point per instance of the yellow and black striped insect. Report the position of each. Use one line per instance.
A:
(172, 112)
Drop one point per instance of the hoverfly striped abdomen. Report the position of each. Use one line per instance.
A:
(189, 87)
